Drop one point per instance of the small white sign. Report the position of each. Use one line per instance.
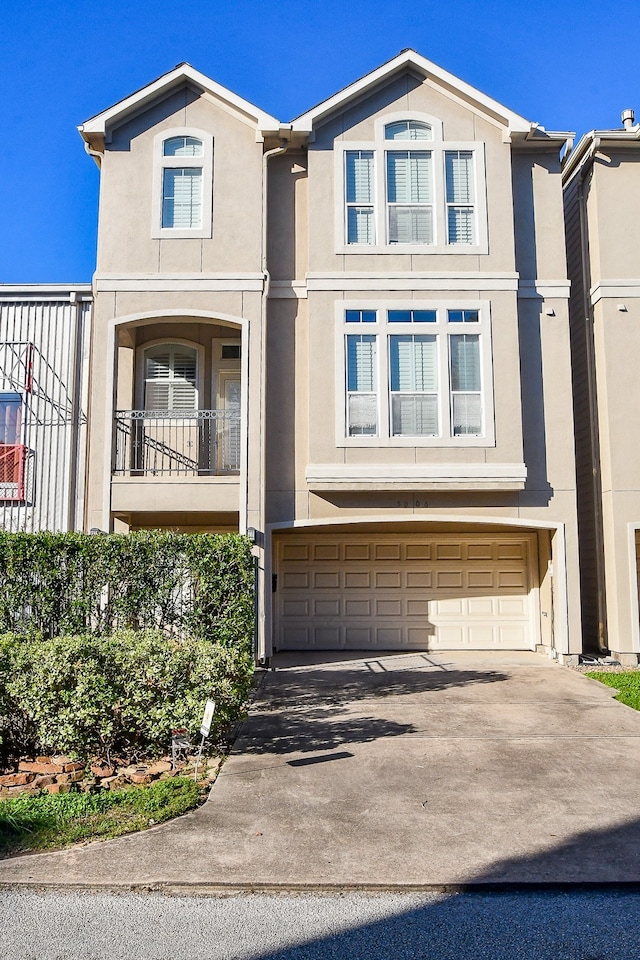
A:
(207, 717)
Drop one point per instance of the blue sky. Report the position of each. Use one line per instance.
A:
(570, 65)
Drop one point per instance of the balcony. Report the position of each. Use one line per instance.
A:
(176, 460)
(13, 458)
(177, 443)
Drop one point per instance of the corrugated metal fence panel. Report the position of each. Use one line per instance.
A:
(43, 349)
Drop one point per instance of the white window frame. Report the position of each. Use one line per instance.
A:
(438, 147)
(442, 329)
(161, 163)
(169, 341)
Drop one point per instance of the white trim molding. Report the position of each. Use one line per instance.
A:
(614, 289)
(181, 283)
(424, 476)
(544, 289)
(408, 280)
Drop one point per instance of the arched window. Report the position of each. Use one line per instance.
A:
(182, 183)
(408, 130)
(170, 377)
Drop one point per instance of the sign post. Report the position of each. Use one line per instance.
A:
(205, 727)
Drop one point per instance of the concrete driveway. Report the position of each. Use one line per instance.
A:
(406, 770)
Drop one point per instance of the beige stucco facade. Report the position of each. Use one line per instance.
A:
(272, 268)
(603, 222)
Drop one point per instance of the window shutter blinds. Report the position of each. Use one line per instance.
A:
(465, 362)
(362, 385)
(461, 225)
(408, 130)
(360, 190)
(410, 181)
(360, 176)
(413, 363)
(171, 378)
(459, 179)
(360, 225)
(459, 169)
(414, 384)
(183, 147)
(182, 197)
(466, 414)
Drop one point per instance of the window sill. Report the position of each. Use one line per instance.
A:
(439, 476)
(452, 250)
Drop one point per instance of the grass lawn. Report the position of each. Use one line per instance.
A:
(50, 822)
(627, 683)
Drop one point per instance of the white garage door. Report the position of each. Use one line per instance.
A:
(394, 592)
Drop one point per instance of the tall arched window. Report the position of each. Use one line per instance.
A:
(170, 377)
(182, 183)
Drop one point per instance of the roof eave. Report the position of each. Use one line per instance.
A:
(590, 141)
(100, 124)
(410, 58)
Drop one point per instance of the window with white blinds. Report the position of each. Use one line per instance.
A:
(420, 371)
(413, 370)
(466, 397)
(360, 195)
(362, 380)
(410, 196)
(428, 196)
(170, 377)
(182, 197)
(183, 185)
(459, 177)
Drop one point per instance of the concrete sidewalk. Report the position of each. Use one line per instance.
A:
(406, 770)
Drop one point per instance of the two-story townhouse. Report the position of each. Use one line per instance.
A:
(347, 335)
(602, 206)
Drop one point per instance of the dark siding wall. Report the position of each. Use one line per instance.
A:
(581, 329)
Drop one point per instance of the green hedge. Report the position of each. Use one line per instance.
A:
(198, 585)
(113, 695)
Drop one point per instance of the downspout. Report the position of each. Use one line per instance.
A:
(596, 491)
(261, 592)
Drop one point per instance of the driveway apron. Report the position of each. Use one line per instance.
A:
(402, 770)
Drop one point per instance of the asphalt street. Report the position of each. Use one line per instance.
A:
(498, 926)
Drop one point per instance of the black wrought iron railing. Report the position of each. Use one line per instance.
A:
(187, 443)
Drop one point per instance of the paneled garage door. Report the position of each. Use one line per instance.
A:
(387, 592)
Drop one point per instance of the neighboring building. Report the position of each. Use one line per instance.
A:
(602, 203)
(44, 353)
(349, 336)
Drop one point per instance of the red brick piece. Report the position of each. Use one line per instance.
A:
(44, 781)
(100, 771)
(16, 779)
(76, 776)
(32, 766)
(59, 788)
(73, 766)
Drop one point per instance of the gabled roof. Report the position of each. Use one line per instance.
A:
(425, 68)
(101, 123)
(588, 145)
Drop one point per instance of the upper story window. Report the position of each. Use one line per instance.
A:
(415, 374)
(170, 377)
(183, 189)
(411, 189)
(182, 183)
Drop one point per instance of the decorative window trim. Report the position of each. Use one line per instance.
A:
(160, 163)
(383, 330)
(438, 148)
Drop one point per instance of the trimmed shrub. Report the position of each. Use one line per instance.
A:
(119, 694)
(55, 584)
